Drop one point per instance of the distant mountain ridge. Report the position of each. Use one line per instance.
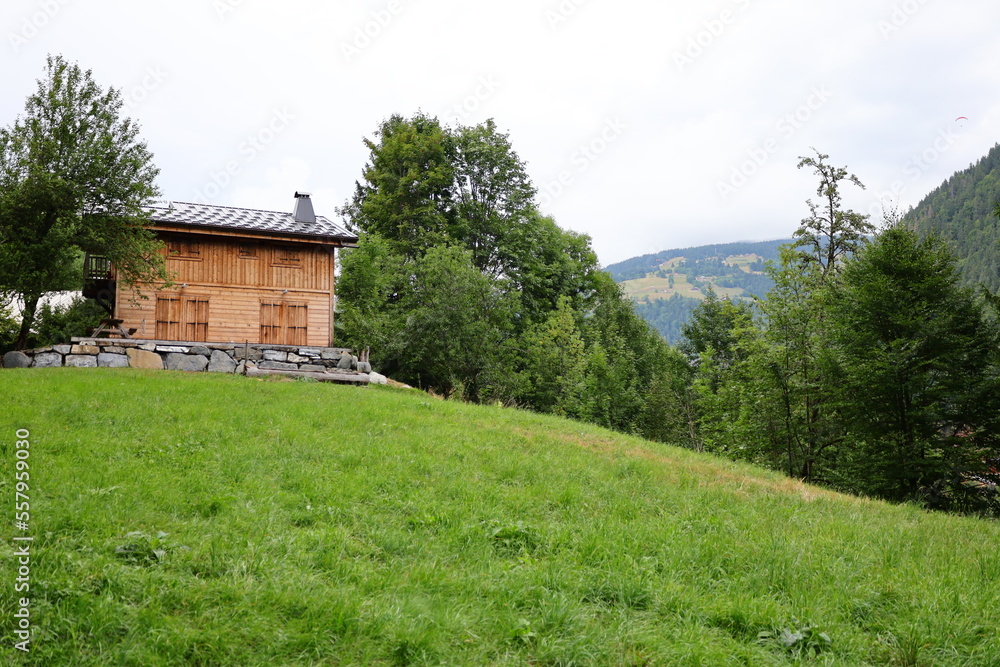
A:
(666, 286)
(638, 267)
(961, 210)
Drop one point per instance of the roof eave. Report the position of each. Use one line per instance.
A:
(222, 230)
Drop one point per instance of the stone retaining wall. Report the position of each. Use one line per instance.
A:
(325, 362)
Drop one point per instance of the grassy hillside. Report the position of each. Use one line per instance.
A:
(204, 520)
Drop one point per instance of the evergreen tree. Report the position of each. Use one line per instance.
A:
(918, 366)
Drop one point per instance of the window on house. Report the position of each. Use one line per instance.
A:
(284, 323)
(287, 256)
(183, 249)
(248, 250)
(182, 318)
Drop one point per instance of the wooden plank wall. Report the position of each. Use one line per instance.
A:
(236, 286)
(219, 263)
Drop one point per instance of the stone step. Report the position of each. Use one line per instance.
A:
(341, 378)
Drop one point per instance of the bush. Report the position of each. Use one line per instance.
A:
(57, 324)
(8, 330)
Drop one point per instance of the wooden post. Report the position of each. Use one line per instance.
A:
(333, 298)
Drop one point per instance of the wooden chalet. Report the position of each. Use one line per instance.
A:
(240, 275)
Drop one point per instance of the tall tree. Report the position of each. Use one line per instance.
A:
(792, 372)
(830, 233)
(918, 358)
(405, 195)
(777, 405)
(493, 198)
(74, 176)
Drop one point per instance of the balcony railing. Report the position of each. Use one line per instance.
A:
(96, 267)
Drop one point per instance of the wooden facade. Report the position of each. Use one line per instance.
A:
(236, 285)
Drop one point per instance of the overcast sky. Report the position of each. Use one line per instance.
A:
(645, 124)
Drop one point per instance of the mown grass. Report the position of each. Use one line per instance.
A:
(185, 519)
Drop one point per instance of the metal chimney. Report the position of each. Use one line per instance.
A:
(303, 208)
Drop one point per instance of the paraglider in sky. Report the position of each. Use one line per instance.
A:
(961, 120)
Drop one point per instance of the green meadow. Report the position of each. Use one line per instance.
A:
(194, 519)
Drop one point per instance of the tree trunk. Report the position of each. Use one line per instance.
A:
(27, 319)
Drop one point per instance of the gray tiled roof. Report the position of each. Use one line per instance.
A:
(246, 219)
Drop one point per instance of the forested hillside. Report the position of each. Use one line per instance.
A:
(667, 286)
(867, 367)
(961, 211)
(638, 267)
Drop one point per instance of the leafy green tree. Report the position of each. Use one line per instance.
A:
(772, 400)
(713, 328)
(372, 283)
(457, 325)
(493, 198)
(8, 329)
(918, 360)
(553, 263)
(625, 355)
(669, 411)
(554, 354)
(427, 186)
(830, 233)
(405, 195)
(791, 372)
(74, 176)
(460, 285)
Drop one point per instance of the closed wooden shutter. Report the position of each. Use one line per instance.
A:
(298, 317)
(284, 323)
(270, 323)
(168, 318)
(182, 318)
(196, 319)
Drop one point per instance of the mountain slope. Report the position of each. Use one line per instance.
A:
(198, 519)
(666, 286)
(961, 210)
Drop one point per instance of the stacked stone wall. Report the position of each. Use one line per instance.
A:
(196, 357)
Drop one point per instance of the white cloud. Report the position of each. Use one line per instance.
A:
(557, 85)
